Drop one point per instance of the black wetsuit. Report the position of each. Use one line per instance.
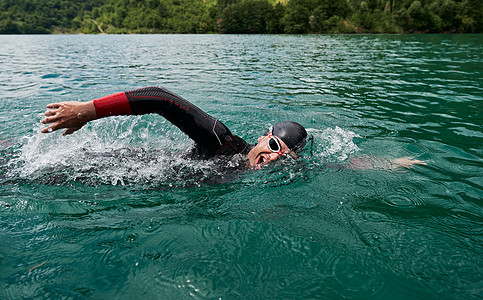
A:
(211, 136)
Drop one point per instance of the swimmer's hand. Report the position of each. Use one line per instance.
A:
(70, 115)
(406, 162)
(374, 163)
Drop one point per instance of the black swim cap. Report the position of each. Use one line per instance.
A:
(292, 134)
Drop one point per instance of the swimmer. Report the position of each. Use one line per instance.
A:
(212, 137)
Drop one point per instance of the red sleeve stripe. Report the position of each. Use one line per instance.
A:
(112, 105)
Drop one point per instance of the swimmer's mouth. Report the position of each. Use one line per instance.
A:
(260, 161)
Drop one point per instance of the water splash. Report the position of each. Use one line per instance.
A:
(117, 151)
(333, 144)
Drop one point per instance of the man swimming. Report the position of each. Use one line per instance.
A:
(212, 137)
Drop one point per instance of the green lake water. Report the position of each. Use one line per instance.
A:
(112, 212)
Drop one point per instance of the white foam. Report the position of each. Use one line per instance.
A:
(114, 151)
(334, 144)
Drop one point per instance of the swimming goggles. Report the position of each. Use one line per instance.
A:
(274, 144)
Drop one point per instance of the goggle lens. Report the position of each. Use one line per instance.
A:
(274, 145)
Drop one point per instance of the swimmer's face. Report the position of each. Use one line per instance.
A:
(261, 154)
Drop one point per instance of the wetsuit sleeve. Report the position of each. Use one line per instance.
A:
(211, 136)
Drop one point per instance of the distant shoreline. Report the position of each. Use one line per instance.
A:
(240, 17)
(247, 34)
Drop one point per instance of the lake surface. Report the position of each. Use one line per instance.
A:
(111, 213)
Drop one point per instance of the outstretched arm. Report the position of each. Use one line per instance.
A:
(211, 135)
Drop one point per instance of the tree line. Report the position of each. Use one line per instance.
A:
(240, 16)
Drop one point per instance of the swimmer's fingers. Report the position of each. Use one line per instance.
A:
(53, 109)
(412, 161)
(54, 105)
(50, 112)
(408, 162)
(57, 126)
(420, 162)
(49, 120)
(51, 128)
(58, 122)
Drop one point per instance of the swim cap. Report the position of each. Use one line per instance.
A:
(292, 134)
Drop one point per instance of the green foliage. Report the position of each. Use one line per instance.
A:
(42, 16)
(240, 16)
(248, 16)
(297, 16)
